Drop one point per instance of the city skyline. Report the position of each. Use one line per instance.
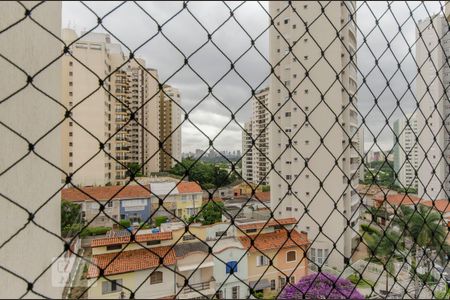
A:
(210, 116)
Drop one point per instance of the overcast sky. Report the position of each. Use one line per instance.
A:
(129, 24)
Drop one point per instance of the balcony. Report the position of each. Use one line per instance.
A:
(197, 290)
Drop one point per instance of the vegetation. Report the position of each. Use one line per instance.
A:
(265, 188)
(71, 221)
(382, 173)
(209, 214)
(134, 168)
(125, 224)
(321, 286)
(92, 231)
(208, 175)
(359, 281)
(382, 245)
(442, 294)
(159, 220)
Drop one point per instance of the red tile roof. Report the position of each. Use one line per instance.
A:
(189, 187)
(441, 205)
(129, 261)
(275, 240)
(271, 223)
(262, 196)
(399, 199)
(141, 238)
(103, 193)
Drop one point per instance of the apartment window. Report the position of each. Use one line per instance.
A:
(294, 75)
(70, 144)
(291, 256)
(70, 154)
(286, 21)
(70, 94)
(306, 91)
(307, 193)
(292, 279)
(262, 261)
(305, 6)
(306, 57)
(70, 83)
(287, 114)
(70, 133)
(272, 285)
(305, 40)
(288, 208)
(114, 247)
(70, 164)
(231, 265)
(251, 230)
(307, 176)
(70, 63)
(156, 277)
(70, 73)
(111, 286)
(155, 242)
(294, 26)
(306, 142)
(278, 50)
(288, 177)
(235, 292)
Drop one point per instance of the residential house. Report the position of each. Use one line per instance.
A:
(176, 200)
(138, 270)
(230, 268)
(285, 248)
(120, 202)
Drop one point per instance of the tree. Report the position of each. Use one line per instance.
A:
(159, 220)
(424, 229)
(321, 286)
(382, 245)
(211, 213)
(209, 175)
(70, 217)
(134, 168)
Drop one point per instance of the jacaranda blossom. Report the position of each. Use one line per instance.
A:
(321, 286)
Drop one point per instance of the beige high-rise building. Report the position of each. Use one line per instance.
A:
(169, 127)
(247, 152)
(315, 148)
(257, 158)
(112, 114)
(30, 198)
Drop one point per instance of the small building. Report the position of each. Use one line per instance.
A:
(119, 203)
(176, 200)
(138, 270)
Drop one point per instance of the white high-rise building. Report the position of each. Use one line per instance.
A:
(431, 85)
(257, 158)
(406, 156)
(316, 161)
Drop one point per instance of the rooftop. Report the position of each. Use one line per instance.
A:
(399, 199)
(184, 249)
(266, 223)
(441, 205)
(126, 238)
(275, 240)
(104, 193)
(129, 261)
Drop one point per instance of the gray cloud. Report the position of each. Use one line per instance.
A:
(133, 27)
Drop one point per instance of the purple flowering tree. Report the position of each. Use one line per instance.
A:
(321, 286)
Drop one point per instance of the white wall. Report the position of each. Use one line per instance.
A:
(154, 291)
(31, 182)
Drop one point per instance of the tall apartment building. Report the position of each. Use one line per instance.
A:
(247, 152)
(432, 50)
(257, 158)
(169, 127)
(406, 156)
(29, 188)
(316, 160)
(113, 114)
